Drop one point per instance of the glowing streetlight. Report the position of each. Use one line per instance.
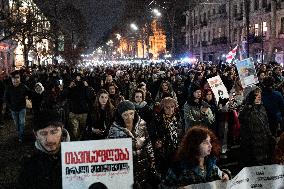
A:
(134, 27)
(118, 36)
(156, 12)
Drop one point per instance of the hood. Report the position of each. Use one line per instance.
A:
(128, 132)
(65, 138)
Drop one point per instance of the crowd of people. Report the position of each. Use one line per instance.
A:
(170, 113)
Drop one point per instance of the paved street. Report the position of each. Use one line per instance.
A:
(12, 153)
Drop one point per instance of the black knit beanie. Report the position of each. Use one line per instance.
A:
(125, 106)
(45, 118)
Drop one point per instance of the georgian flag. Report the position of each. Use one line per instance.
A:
(231, 55)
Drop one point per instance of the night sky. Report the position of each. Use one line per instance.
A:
(101, 16)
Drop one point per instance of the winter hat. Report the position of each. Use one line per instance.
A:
(125, 106)
(45, 118)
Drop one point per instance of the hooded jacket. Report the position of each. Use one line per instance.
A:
(143, 155)
(42, 170)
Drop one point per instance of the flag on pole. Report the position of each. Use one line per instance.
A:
(231, 55)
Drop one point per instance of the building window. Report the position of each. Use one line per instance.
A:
(256, 30)
(235, 10)
(204, 36)
(264, 3)
(256, 4)
(264, 24)
(282, 25)
(219, 32)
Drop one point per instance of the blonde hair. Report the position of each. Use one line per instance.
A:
(168, 100)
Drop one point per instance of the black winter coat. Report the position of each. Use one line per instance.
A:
(256, 137)
(41, 171)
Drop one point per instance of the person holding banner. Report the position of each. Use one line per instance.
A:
(128, 124)
(256, 139)
(43, 169)
(195, 160)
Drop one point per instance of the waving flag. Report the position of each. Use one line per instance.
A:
(231, 55)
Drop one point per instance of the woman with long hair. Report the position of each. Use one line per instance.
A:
(100, 117)
(196, 160)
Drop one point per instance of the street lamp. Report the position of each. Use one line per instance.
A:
(134, 27)
(156, 12)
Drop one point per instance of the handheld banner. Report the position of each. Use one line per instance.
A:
(247, 72)
(264, 177)
(97, 162)
(218, 88)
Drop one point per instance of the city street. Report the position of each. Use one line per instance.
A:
(13, 153)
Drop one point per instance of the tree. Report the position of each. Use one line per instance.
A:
(171, 7)
(272, 30)
(25, 24)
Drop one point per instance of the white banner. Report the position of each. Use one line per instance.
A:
(218, 88)
(264, 177)
(247, 72)
(108, 162)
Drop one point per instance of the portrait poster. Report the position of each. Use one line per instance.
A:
(247, 73)
(218, 88)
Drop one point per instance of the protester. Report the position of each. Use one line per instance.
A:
(279, 151)
(100, 117)
(195, 160)
(43, 169)
(128, 124)
(165, 90)
(256, 138)
(197, 111)
(142, 107)
(79, 95)
(165, 132)
(15, 98)
(273, 102)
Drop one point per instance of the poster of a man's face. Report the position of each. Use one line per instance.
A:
(97, 185)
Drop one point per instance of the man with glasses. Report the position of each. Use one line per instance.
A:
(15, 98)
(43, 169)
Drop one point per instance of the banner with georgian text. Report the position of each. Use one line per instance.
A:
(89, 164)
(264, 177)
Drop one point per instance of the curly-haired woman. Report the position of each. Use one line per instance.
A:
(196, 160)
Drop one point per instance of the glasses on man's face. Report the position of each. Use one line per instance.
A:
(16, 77)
